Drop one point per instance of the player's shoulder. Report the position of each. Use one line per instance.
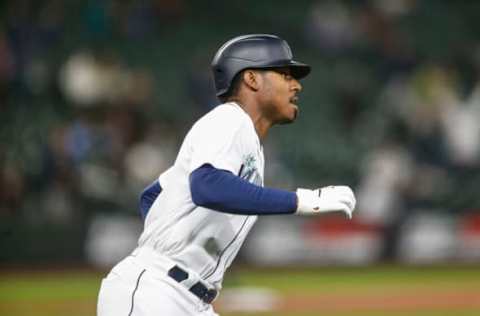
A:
(227, 123)
(228, 111)
(226, 116)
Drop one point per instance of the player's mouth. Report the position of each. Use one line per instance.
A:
(294, 100)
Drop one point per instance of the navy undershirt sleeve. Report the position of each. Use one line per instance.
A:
(223, 191)
(148, 196)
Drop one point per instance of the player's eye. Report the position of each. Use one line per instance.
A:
(285, 75)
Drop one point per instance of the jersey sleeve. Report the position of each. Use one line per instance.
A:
(220, 142)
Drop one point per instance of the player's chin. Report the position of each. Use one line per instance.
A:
(291, 116)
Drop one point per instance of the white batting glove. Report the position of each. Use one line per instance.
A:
(326, 199)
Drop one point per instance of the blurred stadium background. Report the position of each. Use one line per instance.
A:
(96, 96)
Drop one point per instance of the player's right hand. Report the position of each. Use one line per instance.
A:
(326, 199)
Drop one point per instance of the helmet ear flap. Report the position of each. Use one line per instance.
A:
(222, 83)
(232, 86)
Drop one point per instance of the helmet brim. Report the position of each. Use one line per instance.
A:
(297, 69)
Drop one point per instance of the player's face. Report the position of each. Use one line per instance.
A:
(280, 98)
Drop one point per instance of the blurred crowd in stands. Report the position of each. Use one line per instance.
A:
(95, 97)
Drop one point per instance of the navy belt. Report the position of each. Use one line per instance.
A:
(198, 289)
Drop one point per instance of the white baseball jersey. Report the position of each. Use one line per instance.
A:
(203, 240)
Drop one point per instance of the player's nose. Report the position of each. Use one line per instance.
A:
(296, 86)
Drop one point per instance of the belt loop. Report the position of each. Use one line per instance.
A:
(178, 274)
(197, 288)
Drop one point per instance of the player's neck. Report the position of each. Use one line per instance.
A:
(261, 127)
(261, 124)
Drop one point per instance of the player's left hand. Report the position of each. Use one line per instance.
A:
(327, 199)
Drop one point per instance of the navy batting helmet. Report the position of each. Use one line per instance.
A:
(254, 51)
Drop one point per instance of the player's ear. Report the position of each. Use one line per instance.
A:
(252, 79)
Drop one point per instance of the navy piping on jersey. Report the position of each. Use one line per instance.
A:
(135, 290)
(225, 249)
(226, 260)
(222, 191)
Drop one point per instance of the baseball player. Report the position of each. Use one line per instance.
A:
(198, 212)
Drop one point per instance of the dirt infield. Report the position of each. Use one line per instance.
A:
(442, 300)
(382, 300)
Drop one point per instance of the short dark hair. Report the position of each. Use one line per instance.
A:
(234, 86)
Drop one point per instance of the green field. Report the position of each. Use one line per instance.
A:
(372, 291)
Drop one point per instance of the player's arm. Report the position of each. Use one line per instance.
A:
(223, 191)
